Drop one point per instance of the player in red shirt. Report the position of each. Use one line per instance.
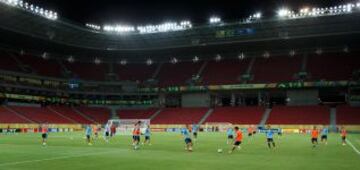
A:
(343, 135)
(238, 139)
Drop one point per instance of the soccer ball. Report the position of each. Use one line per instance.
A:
(219, 150)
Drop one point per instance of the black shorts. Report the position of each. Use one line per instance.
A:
(96, 133)
(147, 137)
(237, 143)
(270, 140)
(195, 133)
(106, 134)
(254, 132)
(87, 136)
(230, 137)
(250, 134)
(188, 140)
(343, 137)
(279, 133)
(136, 138)
(323, 137)
(44, 135)
(314, 139)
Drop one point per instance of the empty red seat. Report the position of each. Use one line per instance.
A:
(88, 71)
(7, 116)
(98, 114)
(346, 115)
(135, 72)
(40, 114)
(301, 115)
(177, 74)
(70, 113)
(237, 115)
(179, 116)
(332, 67)
(224, 72)
(136, 114)
(275, 69)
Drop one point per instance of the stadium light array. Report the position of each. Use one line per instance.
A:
(218, 57)
(49, 14)
(119, 28)
(93, 26)
(174, 60)
(165, 27)
(195, 59)
(97, 61)
(71, 59)
(214, 20)
(241, 56)
(123, 62)
(149, 62)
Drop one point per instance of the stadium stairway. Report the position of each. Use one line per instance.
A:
(61, 115)
(18, 114)
(155, 114)
(333, 119)
(84, 115)
(265, 117)
(207, 114)
(157, 71)
(201, 70)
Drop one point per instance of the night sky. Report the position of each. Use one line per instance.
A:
(141, 12)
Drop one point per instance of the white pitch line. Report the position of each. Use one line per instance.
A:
(354, 148)
(55, 158)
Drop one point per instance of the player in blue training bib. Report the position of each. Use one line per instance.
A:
(230, 135)
(187, 138)
(270, 137)
(324, 134)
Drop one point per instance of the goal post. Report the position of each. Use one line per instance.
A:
(217, 126)
(126, 126)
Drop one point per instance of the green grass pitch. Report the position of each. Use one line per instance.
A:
(68, 151)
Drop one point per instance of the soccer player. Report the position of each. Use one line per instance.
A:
(324, 135)
(188, 142)
(237, 140)
(136, 135)
(107, 132)
(195, 129)
(44, 133)
(250, 131)
(314, 136)
(279, 132)
(88, 132)
(230, 135)
(96, 131)
(147, 135)
(343, 135)
(270, 137)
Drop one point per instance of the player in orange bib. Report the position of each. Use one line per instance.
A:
(136, 135)
(238, 139)
(96, 131)
(343, 135)
(44, 133)
(314, 136)
(250, 131)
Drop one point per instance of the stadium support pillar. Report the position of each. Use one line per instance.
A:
(233, 99)
(333, 119)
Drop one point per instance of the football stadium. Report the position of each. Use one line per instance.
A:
(181, 85)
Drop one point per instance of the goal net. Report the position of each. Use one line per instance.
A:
(217, 126)
(126, 126)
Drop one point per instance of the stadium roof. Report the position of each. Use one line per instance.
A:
(66, 38)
